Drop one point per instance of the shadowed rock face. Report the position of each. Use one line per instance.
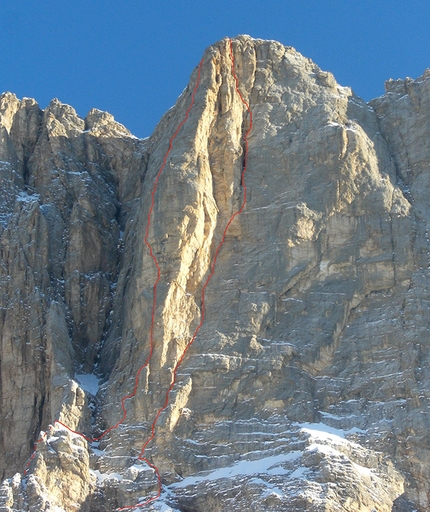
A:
(65, 198)
(307, 387)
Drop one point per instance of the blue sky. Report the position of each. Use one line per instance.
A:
(134, 57)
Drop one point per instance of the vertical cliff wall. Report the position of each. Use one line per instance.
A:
(307, 386)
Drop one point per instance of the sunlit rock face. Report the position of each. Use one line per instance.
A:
(307, 386)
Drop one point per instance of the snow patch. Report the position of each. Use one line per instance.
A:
(88, 382)
(271, 490)
(102, 477)
(333, 434)
(23, 197)
(298, 473)
(267, 465)
(322, 430)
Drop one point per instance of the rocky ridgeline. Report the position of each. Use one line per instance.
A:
(308, 386)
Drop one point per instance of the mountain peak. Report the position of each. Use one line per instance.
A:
(245, 290)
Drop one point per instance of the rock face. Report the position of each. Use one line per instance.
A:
(307, 387)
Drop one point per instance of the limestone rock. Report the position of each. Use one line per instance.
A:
(307, 386)
(64, 200)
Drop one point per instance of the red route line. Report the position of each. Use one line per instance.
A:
(154, 302)
(203, 306)
(41, 438)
